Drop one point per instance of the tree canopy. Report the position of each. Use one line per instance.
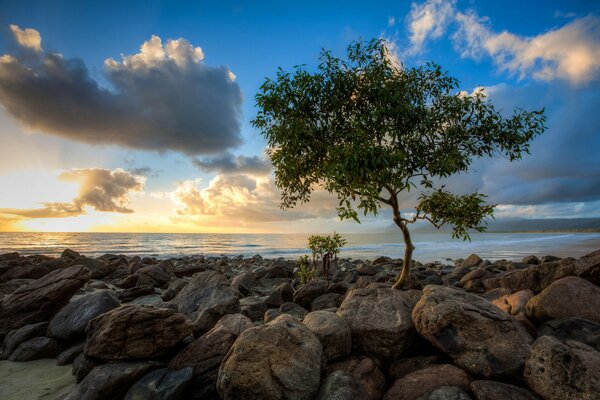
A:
(368, 129)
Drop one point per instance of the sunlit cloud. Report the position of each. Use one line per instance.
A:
(100, 189)
(428, 20)
(163, 98)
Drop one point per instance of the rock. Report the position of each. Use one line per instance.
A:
(161, 384)
(34, 349)
(244, 282)
(333, 332)
(492, 390)
(253, 307)
(380, 321)
(446, 393)
(135, 332)
(41, 299)
(82, 366)
(382, 260)
(550, 258)
(133, 293)
(152, 275)
(536, 277)
(558, 371)
(325, 301)
(473, 281)
(18, 336)
(68, 355)
(515, 303)
(70, 322)
(188, 270)
(472, 261)
(98, 268)
(568, 297)
(340, 385)
(68, 253)
(455, 275)
(12, 285)
(579, 329)
(424, 381)
(294, 310)
(366, 269)
(206, 298)
(365, 373)
(110, 381)
(588, 267)
(405, 366)
(310, 291)
(204, 355)
(278, 269)
(175, 287)
(531, 260)
(480, 338)
(256, 367)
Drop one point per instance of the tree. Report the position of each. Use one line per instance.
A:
(327, 247)
(369, 130)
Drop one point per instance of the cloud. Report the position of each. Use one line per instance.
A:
(101, 189)
(28, 38)
(229, 164)
(163, 98)
(570, 52)
(428, 20)
(235, 199)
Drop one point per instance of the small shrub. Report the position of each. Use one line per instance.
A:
(306, 272)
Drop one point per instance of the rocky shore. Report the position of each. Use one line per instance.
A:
(233, 328)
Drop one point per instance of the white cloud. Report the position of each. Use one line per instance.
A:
(428, 20)
(28, 38)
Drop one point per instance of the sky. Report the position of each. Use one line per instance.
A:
(135, 116)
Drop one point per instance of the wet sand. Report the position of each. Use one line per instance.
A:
(40, 379)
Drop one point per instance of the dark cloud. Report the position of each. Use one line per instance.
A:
(163, 98)
(102, 189)
(229, 164)
(144, 171)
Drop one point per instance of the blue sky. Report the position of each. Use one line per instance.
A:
(525, 53)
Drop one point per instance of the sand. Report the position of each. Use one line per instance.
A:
(40, 379)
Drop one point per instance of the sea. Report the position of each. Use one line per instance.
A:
(430, 247)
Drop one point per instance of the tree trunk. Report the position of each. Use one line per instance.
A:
(408, 245)
(408, 250)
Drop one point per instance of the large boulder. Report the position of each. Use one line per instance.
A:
(558, 371)
(567, 297)
(515, 303)
(204, 355)
(110, 381)
(588, 267)
(425, 380)
(308, 292)
(161, 384)
(340, 385)
(41, 299)
(135, 332)
(380, 321)
(492, 390)
(579, 329)
(535, 278)
(446, 393)
(333, 332)
(18, 336)
(206, 298)
(34, 349)
(479, 337)
(70, 322)
(278, 360)
(98, 268)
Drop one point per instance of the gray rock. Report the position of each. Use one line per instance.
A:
(333, 332)
(492, 390)
(446, 393)
(69, 355)
(310, 291)
(70, 322)
(206, 298)
(578, 329)
(18, 336)
(340, 385)
(110, 381)
(256, 367)
(34, 349)
(558, 371)
(380, 321)
(161, 384)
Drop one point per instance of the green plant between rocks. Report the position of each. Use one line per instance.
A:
(306, 272)
(327, 248)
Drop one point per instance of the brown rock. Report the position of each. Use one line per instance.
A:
(135, 332)
(515, 303)
(480, 338)
(405, 366)
(472, 261)
(568, 297)
(536, 277)
(278, 360)
(558, 371)
(41, 299)
(333, 332)
(423, 381)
